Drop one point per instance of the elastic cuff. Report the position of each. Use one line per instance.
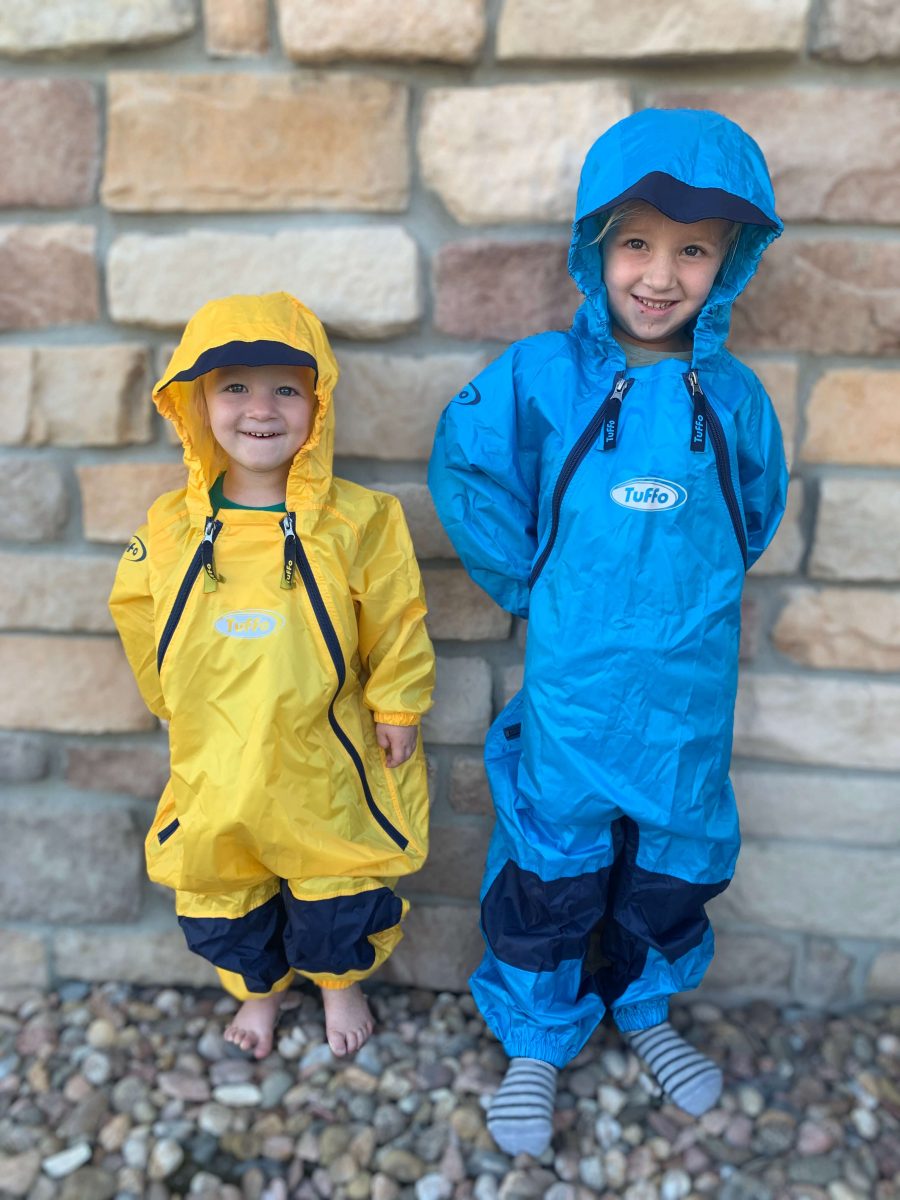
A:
(335, 985)
(644, 1015)
(548, 1050)
(396, 718)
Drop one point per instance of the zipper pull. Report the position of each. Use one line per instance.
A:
(210, 533)
(698, 419)
(290, 549)
(613, 410)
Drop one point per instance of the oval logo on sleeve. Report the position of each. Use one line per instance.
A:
(135, 551)
(649, 495)
(249, 623)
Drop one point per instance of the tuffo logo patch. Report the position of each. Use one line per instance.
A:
(135, 551)
(249, 623)
(649, 495)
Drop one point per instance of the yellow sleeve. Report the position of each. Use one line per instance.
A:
(131, 605)
(390, 602)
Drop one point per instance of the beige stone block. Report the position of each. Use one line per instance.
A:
(48, 275)
(441, 948)
(825, 973)
(460, 610)
(387, 405)
(320, 31)
(69, 684)
(191, 143)
(584, 29)
(513, 152)
(49, 143)
(861, 278)
(469, 791)
(857, 30)
(833, 892)
(362, 281)
(751, 627)
(857, 530)
(833, 153)
(152, 957)
(462, 702)
(749, 964)
(853, 416)
(884, 978)
(785, 551)
(818, 806)
(75, 395)
(33, 503)
(236, 28)
(429, 539)
(132, 769)
(59, 592)
(820, 722)
(455, 862)
(115, 497)
(504, 290)
(65, 857)
(71, 26)
(856, 629)
(24, 958)
(779, 377)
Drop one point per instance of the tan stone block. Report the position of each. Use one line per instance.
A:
(462, 702)
(861, 278)
(825, 972)
(821, 722)
(48, 275)
(779, 378)
(853, 416)
(884, 978)
(361, 281)
(751, 627)
(134, 769)
(469, 791)
(455, 862)
(24, 958)
(58, 592)
(140, 955)
(441, 949)
(833, 892)
(75, 395)
(511, 680)
(459, 609)
(857, 30)
(70, 26)
(584, 29)
(857, 530)
(513, 152)
(856, 629)
(785, 552)
(429, 539)
(191, 143)
(49, 143)
(749, 964)
(236, 28)
(69, 684)
(67, 857)
(833, 153)
(320, 31)
(115, 497)
(818, 806)
(33, 503)
(503, 290)
(387, 405)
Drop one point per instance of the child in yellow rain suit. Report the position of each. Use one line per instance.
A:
(273, 615)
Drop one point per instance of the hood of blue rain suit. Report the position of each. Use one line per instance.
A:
(691, 164)
(249, 331)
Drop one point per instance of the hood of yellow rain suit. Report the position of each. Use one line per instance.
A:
(273, 645)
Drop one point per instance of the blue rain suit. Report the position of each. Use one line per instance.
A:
(617, 510)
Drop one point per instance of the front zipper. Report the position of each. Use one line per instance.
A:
(196, 565)
(723, 466)
(334, 649)
(576, 456)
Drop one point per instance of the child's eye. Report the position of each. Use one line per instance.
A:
(287, 390)
(635, 243)
(235, 387)
(693, 251)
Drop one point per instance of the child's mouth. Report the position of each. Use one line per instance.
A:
(250, 433)
(654, 305)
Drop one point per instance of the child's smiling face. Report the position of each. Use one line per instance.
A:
(658, 273)
(260, 416)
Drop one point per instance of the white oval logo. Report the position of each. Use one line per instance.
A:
(649, 495)
(249, 623)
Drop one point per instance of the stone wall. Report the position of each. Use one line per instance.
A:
(409, 170)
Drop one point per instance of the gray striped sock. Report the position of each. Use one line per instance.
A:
(520, 1117)
(688, 1078)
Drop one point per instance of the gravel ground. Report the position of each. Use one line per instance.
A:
(127, 1093)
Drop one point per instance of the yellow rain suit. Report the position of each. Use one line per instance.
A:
(271, 646)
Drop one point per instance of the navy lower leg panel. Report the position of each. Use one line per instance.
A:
(251, 946)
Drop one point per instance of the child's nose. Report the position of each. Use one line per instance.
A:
(660, 271)
(261, 402)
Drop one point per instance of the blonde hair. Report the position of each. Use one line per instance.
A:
(631, 208)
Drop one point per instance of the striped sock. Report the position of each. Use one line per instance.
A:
(520, 1117)
(688, 1078)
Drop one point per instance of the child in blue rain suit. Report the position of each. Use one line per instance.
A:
(613, 484)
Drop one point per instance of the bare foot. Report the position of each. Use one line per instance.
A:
(348, 1019)
(253, 1024)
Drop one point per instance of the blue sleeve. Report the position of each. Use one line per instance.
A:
(762, 470)
(484, 482)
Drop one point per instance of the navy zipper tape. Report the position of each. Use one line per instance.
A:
(166, 833)
(334, 649)
(190, 578)
(699, 416)
(726, 483)
(573, 462)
